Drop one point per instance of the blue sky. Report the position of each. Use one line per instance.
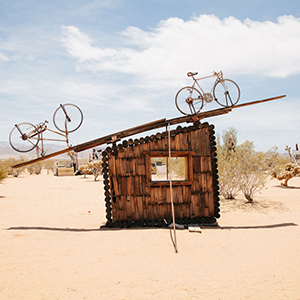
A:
(122, 62)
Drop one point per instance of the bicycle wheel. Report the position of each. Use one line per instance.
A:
(189, 100)
(67, 118)
(226, 93)
(24, 137)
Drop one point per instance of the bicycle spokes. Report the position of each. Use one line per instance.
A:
(21, 139)
(226, 93)
(67, 118)
(189, 101)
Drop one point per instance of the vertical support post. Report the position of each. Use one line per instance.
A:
(171, 191)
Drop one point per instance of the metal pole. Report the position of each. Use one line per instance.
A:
(171, 191)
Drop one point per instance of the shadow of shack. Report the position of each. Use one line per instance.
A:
(135, 195)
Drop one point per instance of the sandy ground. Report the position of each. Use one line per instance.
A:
(51, 247)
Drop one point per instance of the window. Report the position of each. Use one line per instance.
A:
(162, 168)
(161, 165)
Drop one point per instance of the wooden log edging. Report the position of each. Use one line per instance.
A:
(108, 185)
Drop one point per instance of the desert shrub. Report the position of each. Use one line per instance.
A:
(95, 167)
(254, 168)
(48, 164)
(286, 168)
(243, 169)
(288, 171)
(10, 162)
(227, 162)
(85, 169)
(35, 168)
(228, 175)
(3, 171)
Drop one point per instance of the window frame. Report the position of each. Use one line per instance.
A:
(165, 153)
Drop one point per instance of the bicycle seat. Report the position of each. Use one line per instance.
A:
(189, 74)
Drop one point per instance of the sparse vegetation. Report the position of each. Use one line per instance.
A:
(93, 167)
(35, 168)
(48, 164)
(289, 171)
(254, 168)
(3, 171)
(9, 163)
(84, 169)
(241, 168)
(96, 168)
(286, 169)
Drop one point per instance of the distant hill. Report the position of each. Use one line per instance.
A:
(7, 151)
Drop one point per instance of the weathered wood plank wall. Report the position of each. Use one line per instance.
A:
(133, 199)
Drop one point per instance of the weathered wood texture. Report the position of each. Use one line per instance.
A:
(133, 199)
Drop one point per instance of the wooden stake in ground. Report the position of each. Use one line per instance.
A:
(171, 194)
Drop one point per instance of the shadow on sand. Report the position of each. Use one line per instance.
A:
(103, 228)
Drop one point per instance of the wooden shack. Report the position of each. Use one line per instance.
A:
(136, 195)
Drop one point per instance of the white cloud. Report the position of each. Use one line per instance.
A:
(203, 44)
(3, 57)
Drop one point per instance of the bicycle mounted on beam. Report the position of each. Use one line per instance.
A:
(24, 137)
(190, 100)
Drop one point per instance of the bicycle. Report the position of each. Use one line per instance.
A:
(190, 100)
(24, 137)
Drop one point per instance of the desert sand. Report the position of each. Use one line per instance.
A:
(51, 247)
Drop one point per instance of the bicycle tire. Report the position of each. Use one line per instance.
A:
(226, 93)
(184, 96)
(19, 137)
(60, 120)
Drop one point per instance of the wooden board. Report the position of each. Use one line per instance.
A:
(194, 228)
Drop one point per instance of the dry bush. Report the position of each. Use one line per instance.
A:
(84, 169)
(35, 168)
(254, 168)
(288, 171)
(228, 175)
(10, 162)
(3, 171)
(48, 164)
(243, 169)
(96, 168)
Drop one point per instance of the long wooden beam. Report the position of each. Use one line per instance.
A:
(258, 101)
(142, 128)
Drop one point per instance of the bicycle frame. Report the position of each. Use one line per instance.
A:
(219, 78)
(191, 99)
(40, 129)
